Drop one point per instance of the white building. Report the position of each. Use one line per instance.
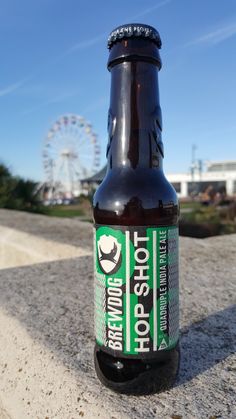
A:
(220, 175)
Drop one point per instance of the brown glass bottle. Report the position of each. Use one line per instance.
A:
(135, 191)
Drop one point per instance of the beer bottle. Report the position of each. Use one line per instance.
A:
(136, 228)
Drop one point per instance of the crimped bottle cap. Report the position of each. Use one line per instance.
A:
(134, 30)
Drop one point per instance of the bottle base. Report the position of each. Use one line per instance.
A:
(136, 376)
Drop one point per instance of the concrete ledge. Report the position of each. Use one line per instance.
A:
(46, 333)
(19, 249)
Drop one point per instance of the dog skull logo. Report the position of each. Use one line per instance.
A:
(109, 254)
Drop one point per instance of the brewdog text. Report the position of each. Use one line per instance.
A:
(115, 310)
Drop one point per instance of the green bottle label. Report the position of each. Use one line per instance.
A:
(136, 289)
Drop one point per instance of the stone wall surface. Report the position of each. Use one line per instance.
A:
(46, 328)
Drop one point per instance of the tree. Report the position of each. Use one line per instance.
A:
(7, 186)
(17, 193)
(25, 195)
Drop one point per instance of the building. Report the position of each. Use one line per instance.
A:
(221, 176)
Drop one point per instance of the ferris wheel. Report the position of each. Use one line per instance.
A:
(71, 153)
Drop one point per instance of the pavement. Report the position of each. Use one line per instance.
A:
(46, 327)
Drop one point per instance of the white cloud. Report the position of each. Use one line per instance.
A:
(86, 43)
(11, 88)
(151, 9)
(57, 99)
(216, 36)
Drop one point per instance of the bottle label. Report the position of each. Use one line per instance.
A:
(136, 289)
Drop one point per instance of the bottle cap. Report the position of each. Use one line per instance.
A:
(134, 30)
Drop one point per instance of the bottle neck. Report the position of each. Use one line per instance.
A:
(134, 119)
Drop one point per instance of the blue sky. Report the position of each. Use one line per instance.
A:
(53, 62)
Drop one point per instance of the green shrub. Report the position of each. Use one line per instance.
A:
(17, 193)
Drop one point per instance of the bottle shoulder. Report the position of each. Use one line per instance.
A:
(148, 185)
(136, 196)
